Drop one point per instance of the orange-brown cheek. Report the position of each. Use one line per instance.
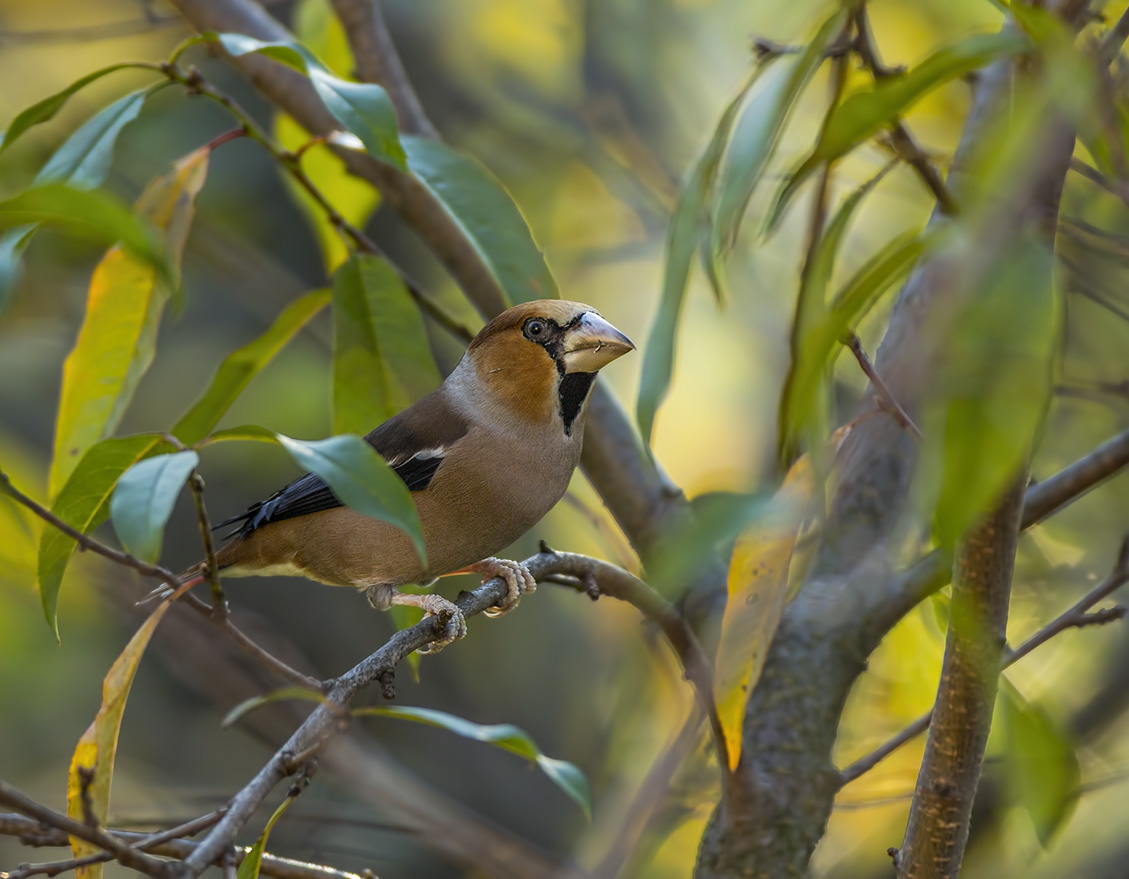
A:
(522, 374)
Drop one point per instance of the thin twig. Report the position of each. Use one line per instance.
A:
(211, 566)
(160, 573)
(125, 854)
(1109, 48)
(33, 833)
(1076, 616)
(1113, 187)
(901, 141)
(886, 399)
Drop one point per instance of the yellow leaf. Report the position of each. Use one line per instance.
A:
(94, 755)
(119, 335)
(758, 592)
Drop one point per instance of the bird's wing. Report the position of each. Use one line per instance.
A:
(414, 443)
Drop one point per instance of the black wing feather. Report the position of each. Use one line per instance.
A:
(401, 439)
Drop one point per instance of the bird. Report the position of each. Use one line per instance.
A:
(485, 456)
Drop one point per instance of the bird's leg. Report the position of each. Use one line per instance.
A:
(518, 581)
(437, 606)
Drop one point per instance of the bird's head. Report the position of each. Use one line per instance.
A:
(541, 357)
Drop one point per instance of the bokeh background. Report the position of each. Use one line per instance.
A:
(590, 113)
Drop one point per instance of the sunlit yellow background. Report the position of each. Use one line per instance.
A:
(590, 113)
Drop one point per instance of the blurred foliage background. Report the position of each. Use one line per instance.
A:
(590, 112)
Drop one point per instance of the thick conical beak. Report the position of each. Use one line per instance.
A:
(592, 343)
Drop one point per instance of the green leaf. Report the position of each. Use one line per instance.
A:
(280, 695)
(361, 479)
(364, 109)
(83, 504)
(799, 408)
(686, 230)
(84, 159)
(486, 215)
(869, 110)
(758, 132)
(118, 339)
(382, 361)
(144, 498)
(45, 110)
(1040, 764)
(503, 735)
(253, 861)
(96, 215)
(243, 433)
(990, 393)
(239, 367)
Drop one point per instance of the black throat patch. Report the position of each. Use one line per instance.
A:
(573, 389)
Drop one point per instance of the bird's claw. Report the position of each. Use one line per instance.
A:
(518, 582)
(438, 606)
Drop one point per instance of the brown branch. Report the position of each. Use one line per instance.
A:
(125, 854)
(160, 573)
(1076, 616)
(1109, 48)
(1113, 187)
(886, 400)
(937, 829)
(901, 141)
(211, 566)
(311, 737)
(33, 833)
(378, 61)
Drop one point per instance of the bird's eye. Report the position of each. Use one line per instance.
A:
(535, 329)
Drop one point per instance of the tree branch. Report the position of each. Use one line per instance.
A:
(33, 833)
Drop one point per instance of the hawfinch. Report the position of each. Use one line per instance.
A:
(485, 455)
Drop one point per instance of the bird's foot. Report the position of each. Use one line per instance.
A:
(518, 582)
(436, 606)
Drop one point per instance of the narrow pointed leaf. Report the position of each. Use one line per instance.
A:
(118, 338)
(96, 750)
(1040, 764)
(13, 243)
(243, 433)
(363, 109)
(758, 132)
(252, 862)
(683, 238)
(486, 215)
(84, 159)
(144, 498)
(84, 504)
(382, 361)
(239, 367)
(503, 735)
(868, 111)
(45, 110)
(361, 479)
(280, 695)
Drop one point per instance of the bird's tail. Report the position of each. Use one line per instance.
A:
(190, 577)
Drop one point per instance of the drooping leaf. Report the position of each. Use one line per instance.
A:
(758, 592)
(990, 394)
(486, 215)
(243, 433)
(82, 162)
(361, 479)
(503, 735)
(866, 112)
(364, 109)
(687, 228)
(96, 215)
(96, 750)
(799, 408)
(758, 132)
(382, 362)
(84, 504)
(119, 334)
(239, 367)
(253, 861)
(45, 110)
(280, 695)
(144, 498)
(1040, 764)
(84, 159)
